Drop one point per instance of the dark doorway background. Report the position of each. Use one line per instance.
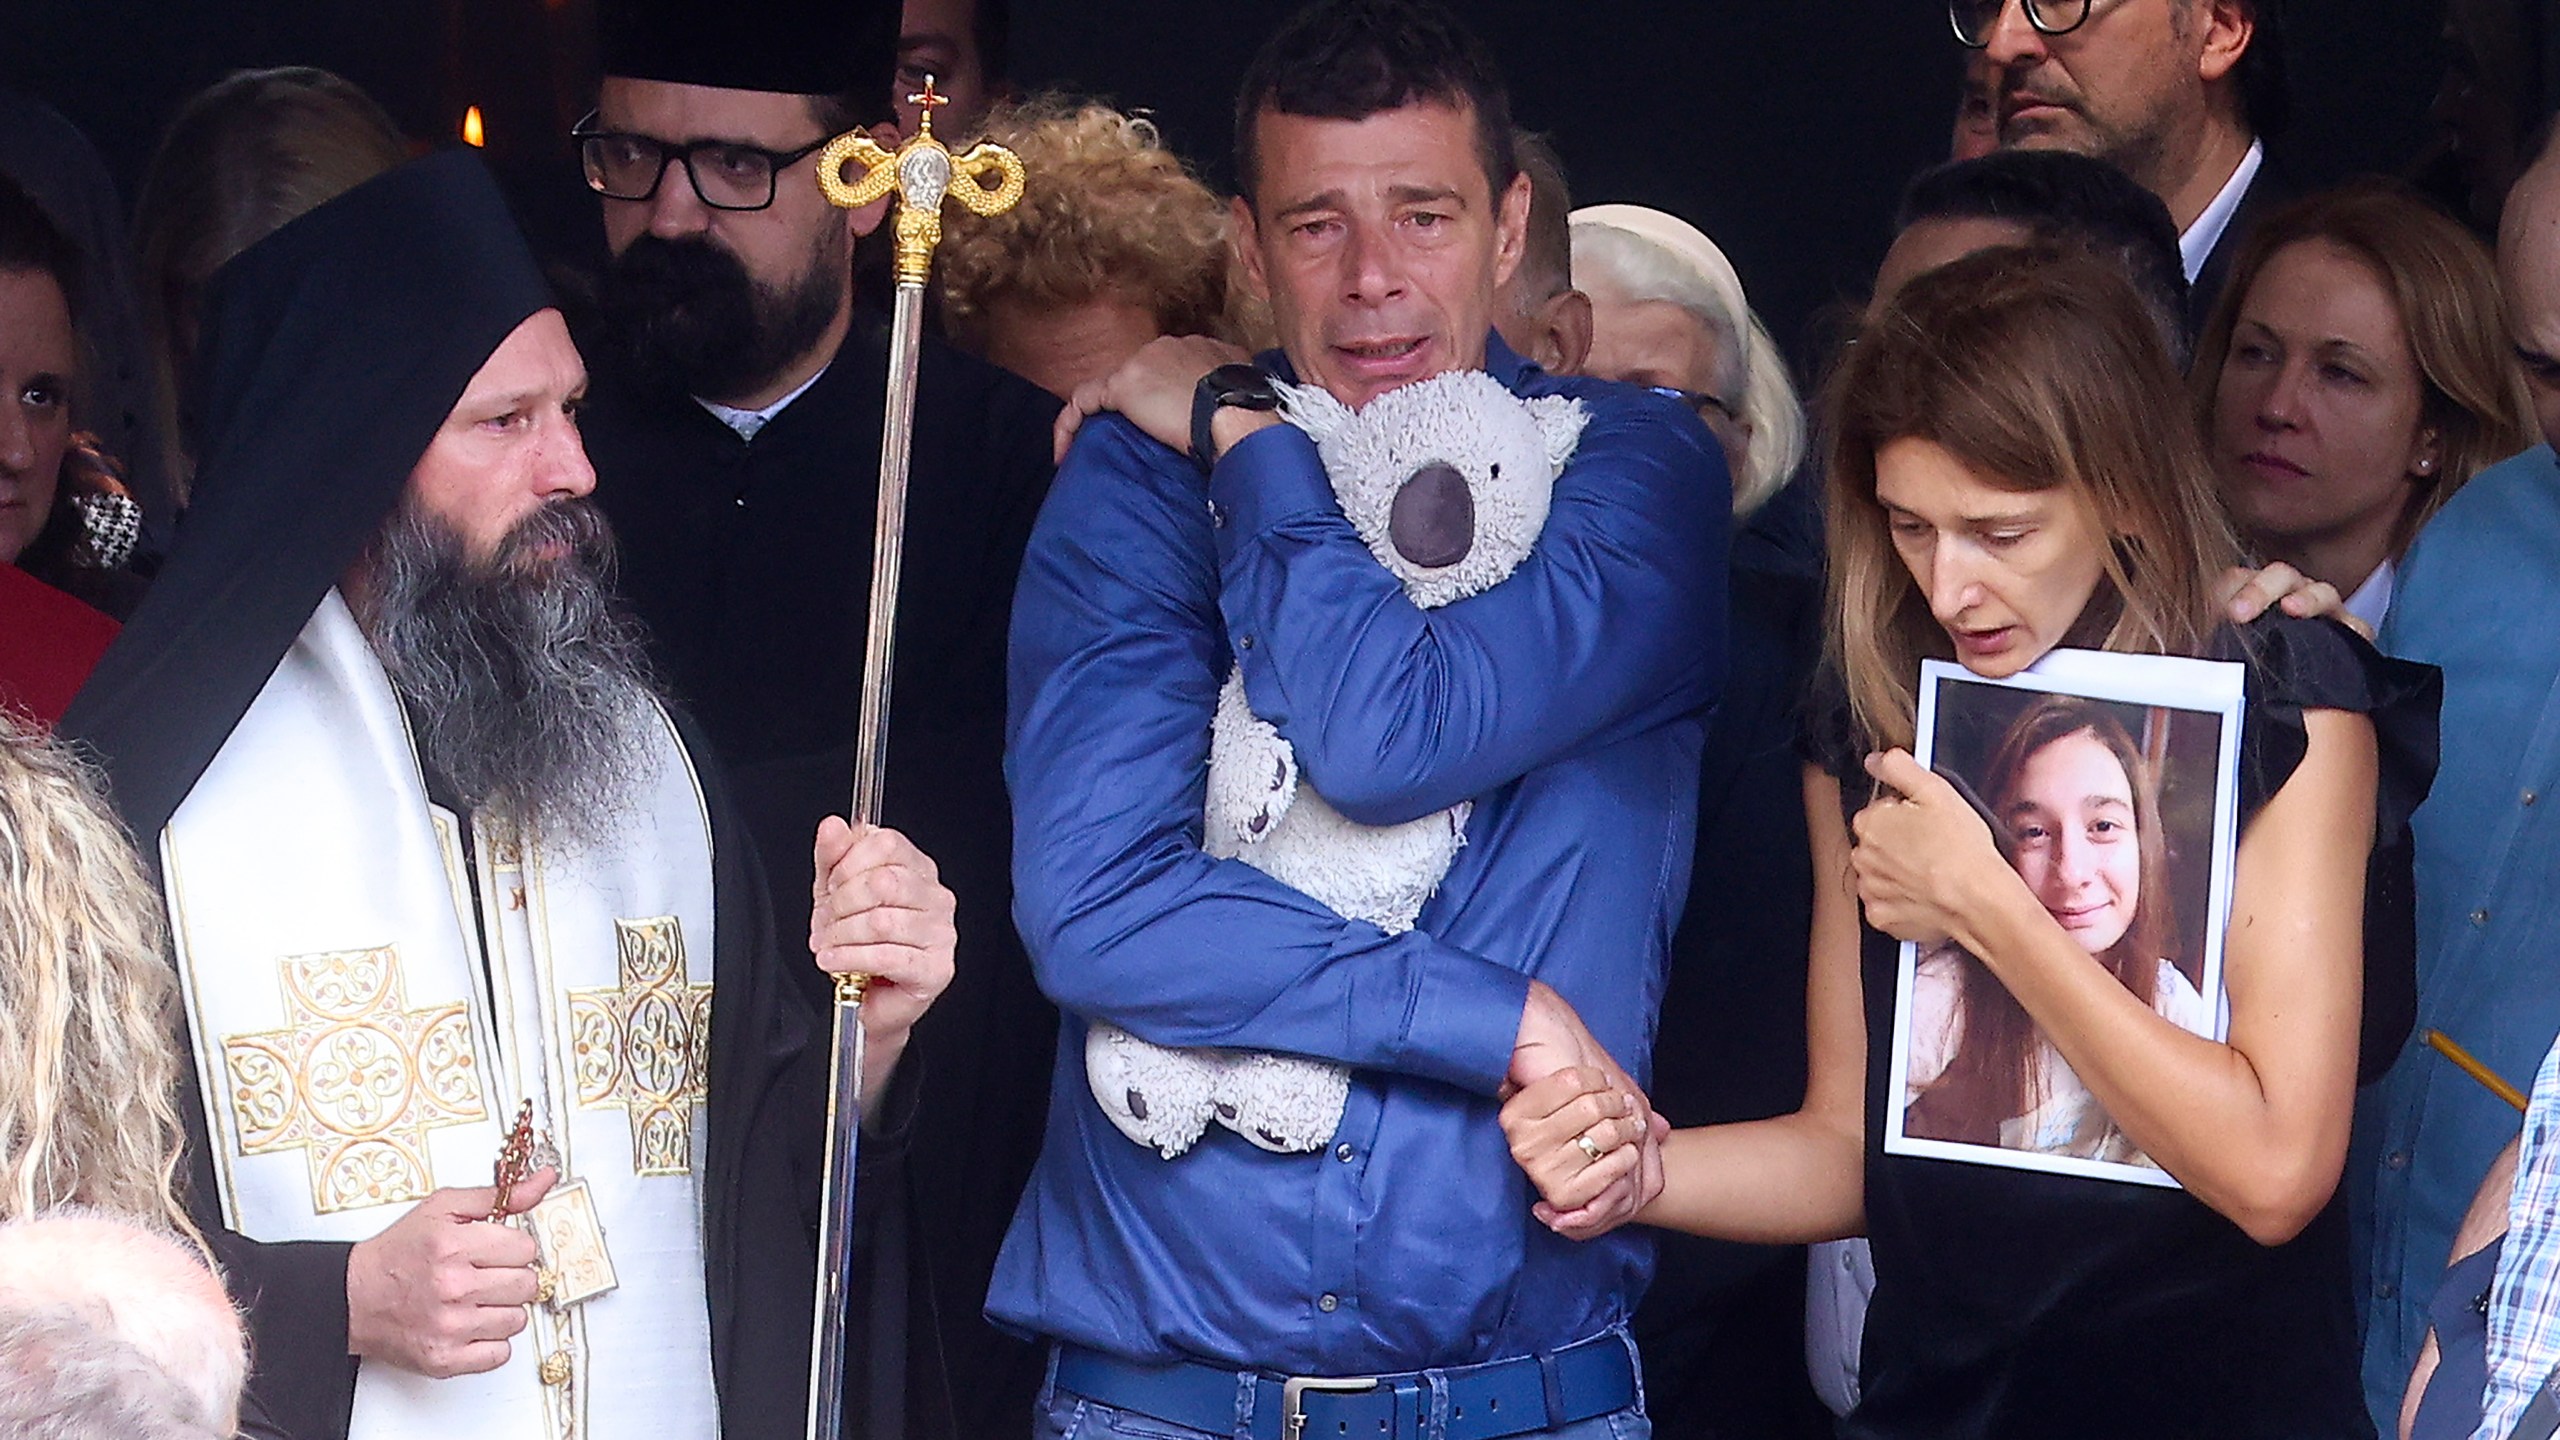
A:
(1784, 129)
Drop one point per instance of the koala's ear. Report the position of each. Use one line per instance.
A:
(1560, 420)
(1313, 409)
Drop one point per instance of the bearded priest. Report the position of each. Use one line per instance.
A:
(437, 857)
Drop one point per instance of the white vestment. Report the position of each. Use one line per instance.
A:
(369, 1008)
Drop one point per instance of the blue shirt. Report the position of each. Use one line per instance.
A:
(2476, 596)
(1568, 702)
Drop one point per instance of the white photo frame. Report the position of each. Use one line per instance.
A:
(2183, 718)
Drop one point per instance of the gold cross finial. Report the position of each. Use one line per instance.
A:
(922, 173)
(925, 100)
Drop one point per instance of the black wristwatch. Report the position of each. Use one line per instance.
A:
(1240, 384)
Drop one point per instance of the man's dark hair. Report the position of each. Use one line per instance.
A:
(872, 45)
(1351, 59)
(1546, 263)
(2067, 199)
(994, 27)
(30, 243)
(2266, 100)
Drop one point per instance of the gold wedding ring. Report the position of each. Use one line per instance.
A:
(1585, 1144)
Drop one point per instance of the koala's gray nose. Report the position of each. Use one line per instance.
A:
(1432, 521)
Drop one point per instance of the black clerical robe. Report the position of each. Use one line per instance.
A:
(766, 1110)
(750, 562)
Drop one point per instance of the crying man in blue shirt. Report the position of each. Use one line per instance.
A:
(1394, 1282)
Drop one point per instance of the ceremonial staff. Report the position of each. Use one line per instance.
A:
(921, 174)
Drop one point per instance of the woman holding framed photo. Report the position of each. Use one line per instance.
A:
(2012, 470)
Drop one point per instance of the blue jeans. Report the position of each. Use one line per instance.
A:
(1063, 1415)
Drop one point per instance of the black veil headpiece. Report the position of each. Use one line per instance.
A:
(333, 352)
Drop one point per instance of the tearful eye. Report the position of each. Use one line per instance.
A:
(1432, 521)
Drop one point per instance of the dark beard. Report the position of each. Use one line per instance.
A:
(686, 315)
(524, 678)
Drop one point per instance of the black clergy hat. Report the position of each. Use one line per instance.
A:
(842, 48)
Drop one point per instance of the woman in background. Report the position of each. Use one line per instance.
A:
(246, 154)
(2354, 374)
(1668, 311)
(65, 517)
(1116, 245)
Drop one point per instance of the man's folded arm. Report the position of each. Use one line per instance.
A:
(1613, 625)
(1114, 678)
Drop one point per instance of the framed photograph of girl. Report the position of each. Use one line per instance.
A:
(2110, 783)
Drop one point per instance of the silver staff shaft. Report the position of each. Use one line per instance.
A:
(835, 1216)
(888, 554)
(921, 175)
(870, 749)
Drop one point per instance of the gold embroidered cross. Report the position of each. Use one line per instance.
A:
(355, 1079)
(644, 1047)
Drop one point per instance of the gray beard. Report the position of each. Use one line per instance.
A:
(526, 682)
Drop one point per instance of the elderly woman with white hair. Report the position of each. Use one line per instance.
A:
(1668, 312)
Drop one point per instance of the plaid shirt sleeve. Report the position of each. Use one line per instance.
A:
(2524, 1302)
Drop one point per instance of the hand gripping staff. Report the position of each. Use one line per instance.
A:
(922, 173)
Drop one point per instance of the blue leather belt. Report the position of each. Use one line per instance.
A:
(1583, 1380)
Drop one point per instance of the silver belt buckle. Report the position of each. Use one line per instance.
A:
(1293, 1399)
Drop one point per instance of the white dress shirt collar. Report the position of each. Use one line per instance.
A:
(2199, 239)
(748, 422)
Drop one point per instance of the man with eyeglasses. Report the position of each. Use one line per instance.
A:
(735, 414)
(2175, 93)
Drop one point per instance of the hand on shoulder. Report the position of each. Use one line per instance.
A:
(1153, 388)
(2247, 594)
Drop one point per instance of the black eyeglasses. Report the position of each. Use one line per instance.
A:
(1698, 400)
(1973, 19)
(726, 175)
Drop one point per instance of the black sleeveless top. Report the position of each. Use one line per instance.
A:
(2022, 1303)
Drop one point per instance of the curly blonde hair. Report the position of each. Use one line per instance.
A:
(1110, 211)
(88, 1047)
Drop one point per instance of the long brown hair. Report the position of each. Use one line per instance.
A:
(246, 155)
(2040, 369)
(2444, 285)
(1991, 1076)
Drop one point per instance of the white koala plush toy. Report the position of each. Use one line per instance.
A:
(1447, 481)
